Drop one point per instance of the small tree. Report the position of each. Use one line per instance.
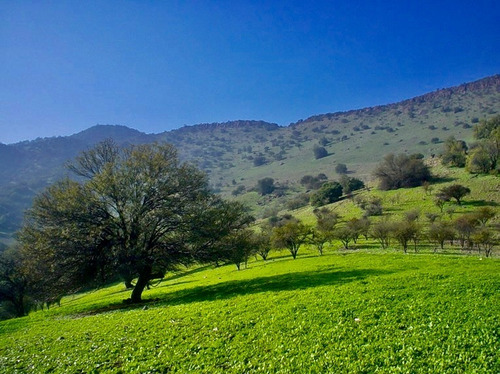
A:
(259, 161)
(465, 226)
(265, 186)
(455, 152)
(238, 247)
(319, 238)
(440, 200)
(350, 184)
(485, 239)
(455, 191)
(439, 232)
(263, 242)
(326, 219)
(345, 234)
(404, 232)
(382, 231)
(327, 194)
(319, 152)
(341, 169)
(291, 236)
(484, 214)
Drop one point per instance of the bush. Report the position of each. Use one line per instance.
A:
(327, 194)
(259, 161)
(298, 201)
(341, 169)
(265, 186)
(397, 171)
(319, 152)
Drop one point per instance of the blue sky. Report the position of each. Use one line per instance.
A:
(158, 65)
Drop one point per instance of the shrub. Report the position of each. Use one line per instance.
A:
(259, 161)
(327, 194)
(397, 171)
(298, 201)
(265, 186)
(319, 152)
(341, 169)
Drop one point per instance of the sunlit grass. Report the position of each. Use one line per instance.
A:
(341, 312)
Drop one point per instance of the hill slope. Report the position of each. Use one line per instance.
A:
(338, 313)
(229, 151)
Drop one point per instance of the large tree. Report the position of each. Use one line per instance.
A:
(135, 212)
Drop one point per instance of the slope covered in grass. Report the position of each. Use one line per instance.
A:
(343, 313)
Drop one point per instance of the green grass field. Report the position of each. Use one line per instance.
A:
(344, 312)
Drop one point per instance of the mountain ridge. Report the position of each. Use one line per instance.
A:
(236, 154)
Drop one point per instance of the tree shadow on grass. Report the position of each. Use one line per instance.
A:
(277, 283)
(479, 203)
(442, 179)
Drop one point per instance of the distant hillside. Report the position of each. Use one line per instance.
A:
(236, 154)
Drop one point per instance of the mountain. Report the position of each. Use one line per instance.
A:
(238, 153)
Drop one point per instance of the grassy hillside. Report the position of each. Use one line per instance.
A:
(228, 151)
(343, 313)
(360, 310)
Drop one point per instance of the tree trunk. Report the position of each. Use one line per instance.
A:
(19, 306)
(142, 281)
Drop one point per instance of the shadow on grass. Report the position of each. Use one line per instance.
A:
(276, 283)
(181, 274)
(440, 179)
(479, 203)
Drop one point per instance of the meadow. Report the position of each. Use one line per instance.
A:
(344, 312)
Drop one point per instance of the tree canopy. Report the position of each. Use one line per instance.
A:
(136, 212)
(397, 171)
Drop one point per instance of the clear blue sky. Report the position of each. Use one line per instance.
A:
(157, 65)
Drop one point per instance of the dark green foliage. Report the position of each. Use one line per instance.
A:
(327, 194)
(350, 184)
(397, 171)
(263, 242)
(313, 183)
(259, 161)
(455, 191)
(265, 186)
(484, 129)
(485, 154)
(341, 168)
(238, 190)
(237, 247)
(138, 212)
(319, 152)
(455, 152)
(13, 281)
